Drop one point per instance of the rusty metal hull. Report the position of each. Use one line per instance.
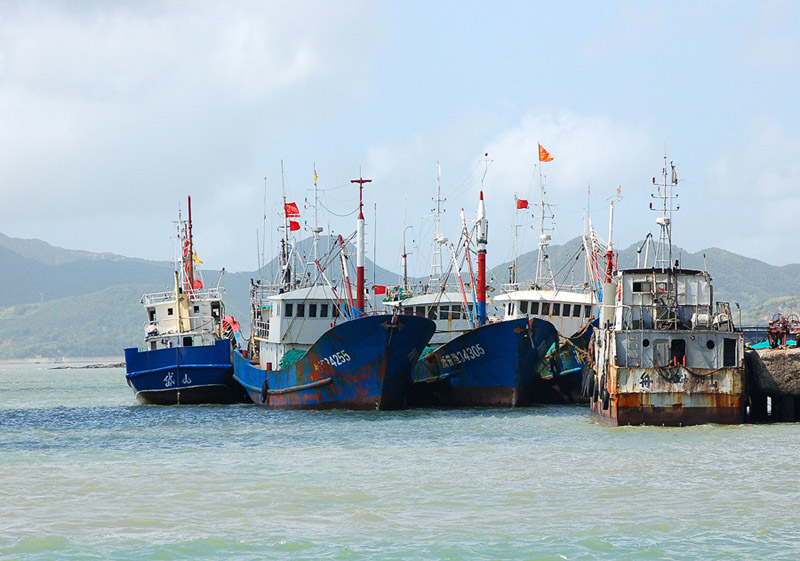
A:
(359, 364)
(670, 396)
(495, 365)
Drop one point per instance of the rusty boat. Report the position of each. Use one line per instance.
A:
(317, 347)
(664, 353)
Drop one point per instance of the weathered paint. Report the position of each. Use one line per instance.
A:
(374, 358)
(495, 365)
(671, 396)
(187, 375)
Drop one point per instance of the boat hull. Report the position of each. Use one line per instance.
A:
(495, 365)
(183, 375)
(362, 364)
(672, 397)
(565, 368)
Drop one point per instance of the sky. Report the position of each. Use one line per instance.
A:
(111, 113)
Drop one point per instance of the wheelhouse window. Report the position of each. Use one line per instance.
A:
(587, 311)
(334, 312)
(312, 310)
(566, 309)
(151, 314)
(534, 308)
(455, 311)
(169, 311)
(301, 310)
(642, 287)
(576, 311)
(197, 309)
(420, 311)
(556, 309)
(523, 307)
(444, 312)
(288, 309)
(323, 310)
(432, 312)
(545, 308)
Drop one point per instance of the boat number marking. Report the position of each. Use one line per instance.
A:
(169, 380)
(186, 379)
(460, 357)
(337, 359)
(645, 380)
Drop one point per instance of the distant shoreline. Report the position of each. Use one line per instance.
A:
(87, 361)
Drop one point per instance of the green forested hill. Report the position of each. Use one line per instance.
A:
(63, 303)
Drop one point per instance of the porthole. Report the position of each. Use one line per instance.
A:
(646, 343)
(710, 344)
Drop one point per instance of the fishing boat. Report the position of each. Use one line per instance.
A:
(569, 306)
(186, 355)
(664, 352)
(491, 364)
(311, 348)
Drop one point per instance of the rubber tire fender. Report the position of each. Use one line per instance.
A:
(265, 390)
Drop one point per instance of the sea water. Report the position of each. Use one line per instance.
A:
(85, 473)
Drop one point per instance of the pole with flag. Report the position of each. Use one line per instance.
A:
(483, 226)
(359, 311)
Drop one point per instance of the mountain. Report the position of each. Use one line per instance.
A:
(760, 289)
(56, 302)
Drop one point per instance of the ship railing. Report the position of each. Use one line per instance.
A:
(152, 298)
(197, 325)
(513, 287)
(261, 328)
(261, 292)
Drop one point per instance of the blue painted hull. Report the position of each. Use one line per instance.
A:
(363, 363)
(565, 369)
(183, 375)
(495, 365)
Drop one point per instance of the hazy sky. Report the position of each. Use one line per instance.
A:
(112, 112)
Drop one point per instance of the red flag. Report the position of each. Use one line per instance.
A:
(197, 284)
(522, 203)
(379, 289)
(291, 210)
(293, 225)
(544, 155)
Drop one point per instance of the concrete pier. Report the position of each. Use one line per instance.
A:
(773, 384)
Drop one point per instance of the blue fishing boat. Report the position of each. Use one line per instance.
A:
(360, 363)
(570, 306)
(186, 356)
(493, 364)
(312, 349)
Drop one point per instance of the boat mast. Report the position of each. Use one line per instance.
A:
(544, 270)
(438, 238)
(513, 279)
(286, 274)
(359, 311)
(665, 192)
(191, 248)
(483, 227)
(316, 230)
(404, 280)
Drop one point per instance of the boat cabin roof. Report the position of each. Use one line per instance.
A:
(567, 296)
(432, 298)
(316, 292)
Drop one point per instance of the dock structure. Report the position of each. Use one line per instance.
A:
(773, 379)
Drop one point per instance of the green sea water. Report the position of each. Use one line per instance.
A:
(85, 473)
